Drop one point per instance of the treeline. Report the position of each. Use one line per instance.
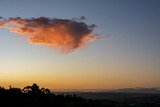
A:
(34, 96)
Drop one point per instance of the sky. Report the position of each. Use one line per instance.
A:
(128, 56)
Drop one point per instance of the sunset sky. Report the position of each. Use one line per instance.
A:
(128, 56)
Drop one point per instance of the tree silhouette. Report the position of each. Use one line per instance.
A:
(34, 96)
(14, 91)
(34, 89)
(45, 91)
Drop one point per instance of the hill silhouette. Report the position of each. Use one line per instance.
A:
(34, 96)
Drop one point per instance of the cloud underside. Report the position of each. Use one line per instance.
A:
(64, 34)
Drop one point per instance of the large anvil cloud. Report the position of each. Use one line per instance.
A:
(64, 34)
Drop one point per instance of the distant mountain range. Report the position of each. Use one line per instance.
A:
(137, 90)
(124, 90)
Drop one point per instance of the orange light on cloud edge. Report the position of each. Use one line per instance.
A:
(64, 34)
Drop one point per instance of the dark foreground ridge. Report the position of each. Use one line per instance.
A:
(34, 96)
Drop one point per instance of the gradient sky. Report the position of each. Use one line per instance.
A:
(129, 57)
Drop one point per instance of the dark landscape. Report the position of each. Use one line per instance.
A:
(34, 96)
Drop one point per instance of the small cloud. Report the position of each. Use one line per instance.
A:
(64, 34)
